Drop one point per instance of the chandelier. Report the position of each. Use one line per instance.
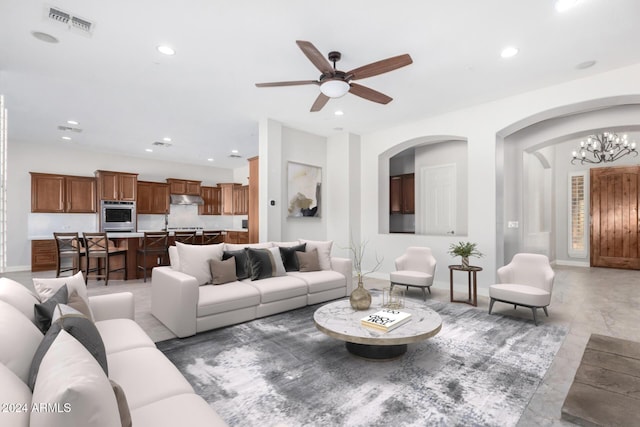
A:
(605, 147)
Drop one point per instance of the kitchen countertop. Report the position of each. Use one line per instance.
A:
(138, 234)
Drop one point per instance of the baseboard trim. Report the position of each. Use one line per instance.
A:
(571, 263)
(17, 268)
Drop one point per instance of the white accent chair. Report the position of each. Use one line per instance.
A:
(526, 281)
(415, 268)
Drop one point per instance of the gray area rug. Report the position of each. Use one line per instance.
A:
(479, 370)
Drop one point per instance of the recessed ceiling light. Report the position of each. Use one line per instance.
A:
(234, 151)
(585, 64)
(210, 160)
(564, 5)
(509, 52)
(44, 37)
(166, 50)
(148, 150)
(66, 138)
(166, 139)
(339, 113)
(72, 122)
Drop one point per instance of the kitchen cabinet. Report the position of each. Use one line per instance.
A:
(237, 237)
(252, 200)
(241, 200)
(117, 185)
(62, 193)
(153, 198)
(43, 255)
(227, 197)
(211, 197)
(184, 186)
(402, 194)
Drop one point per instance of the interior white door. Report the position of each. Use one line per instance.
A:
(438, 201)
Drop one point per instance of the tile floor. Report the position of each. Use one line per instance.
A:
(589, 300)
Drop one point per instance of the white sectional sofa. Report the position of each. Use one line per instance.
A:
(187, 307)
(156, 392)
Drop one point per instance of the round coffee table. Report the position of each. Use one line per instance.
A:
(339, 320)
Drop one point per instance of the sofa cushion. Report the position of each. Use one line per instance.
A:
(242, 267)
(520, 294)
(146, 376)
(163, 413)
(308, 261)
(265, 263)
(82, 329)
(230, 247)
(19, 340)
(71, 379)
(279, 288)
(289, 258)
(227, 297)
(222, 271)
(194, 260)
(17, 396)
(324, 251)
(286, 244)
(18, 296)
(122, 334)
(174, 258)
(44, 312)
(319, 281)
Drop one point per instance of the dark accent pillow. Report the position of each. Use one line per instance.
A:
(242, 269)
(82, 329)
(44, 312)
(289, 258)
(223, 271)
(261, 265)
(123, 406)
(308, 260)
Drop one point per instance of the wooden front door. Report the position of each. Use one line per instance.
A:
(614, 217)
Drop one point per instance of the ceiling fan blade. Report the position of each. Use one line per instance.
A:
(380, 67)
(370, 94)
(292, 83)
(320, 102)
(315, 56)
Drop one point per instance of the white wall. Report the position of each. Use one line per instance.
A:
(59, 158)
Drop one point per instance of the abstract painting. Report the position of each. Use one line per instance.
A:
(304, 184)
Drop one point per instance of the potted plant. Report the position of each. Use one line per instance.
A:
(465, 250)
(360, 298)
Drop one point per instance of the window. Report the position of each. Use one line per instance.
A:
(577, 215)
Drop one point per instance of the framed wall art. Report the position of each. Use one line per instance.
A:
(304, 189)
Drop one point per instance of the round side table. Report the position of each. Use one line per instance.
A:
(472, 280)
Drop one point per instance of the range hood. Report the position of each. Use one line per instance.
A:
(186, 199)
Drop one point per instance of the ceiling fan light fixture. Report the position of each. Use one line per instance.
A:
(335, 88)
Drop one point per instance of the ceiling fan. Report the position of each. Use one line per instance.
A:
(334, 83)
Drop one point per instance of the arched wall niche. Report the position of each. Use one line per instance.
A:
(540, 141)
(384, 159)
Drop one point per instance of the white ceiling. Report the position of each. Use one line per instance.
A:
(126, 95)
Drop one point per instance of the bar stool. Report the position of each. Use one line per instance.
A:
(153, 243)
(68, 247)
(187, 237)
(210, 237)
(98, 247)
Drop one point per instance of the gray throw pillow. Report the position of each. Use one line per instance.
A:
(289, 257)
(83, 330)
(308, 261)
(77, 302)
(242, 269)
(261, 263)
(223, 271)
(44, 312)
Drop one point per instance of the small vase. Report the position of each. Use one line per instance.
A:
(360, 298)
(465, 262)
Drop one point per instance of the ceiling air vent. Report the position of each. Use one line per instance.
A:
(161, 144)
(235, 156)
(69, 20)
(69, 129)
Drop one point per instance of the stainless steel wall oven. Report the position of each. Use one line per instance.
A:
(117, 216)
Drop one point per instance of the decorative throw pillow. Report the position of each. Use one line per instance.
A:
(18, 296)
(324, 251)
(308, 261)
(223, 271)
(261, 264)
(194, 260)
(278, 265)
(19, 340)
(123, 406)
(47, 287)
(288, 255)
(242, 269)
(43, 313)
(78, 326)
(79, 304)
(70, 379)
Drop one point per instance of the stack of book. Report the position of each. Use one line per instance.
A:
(386, 319)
